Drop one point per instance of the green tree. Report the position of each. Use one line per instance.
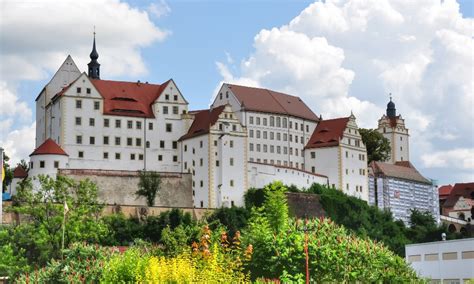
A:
(43, 208)
(8, 172)
(148, 186)
(378, 147)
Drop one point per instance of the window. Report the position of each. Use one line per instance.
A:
(264, 135)
(138, 124)
(313, 155)
(401, 138)
(56, 164)
(227, 94)
(138, 142)
(234, 127)
(201, 183)
(313, 170)
(201, 162)
(175, 97)
(129, 141)
(401, 148)
(200, 144)
(296, 139)
(160, 157)
(202, 204)
(167, 97)
(80, 154)
(150, 125)
(185, 148)
(258, 133)
(140, 157)
(96, 105)
(258, 120)
(278, 122)
(78, 90)
(78, 104)
(347, 154)
(118, 123)
(79, 139)
(106, 140)
(251, 120)
(92, 140)
(231, 161)
(301, 127)
(285, 122)
(106, 122)
(285, 137)
(117, 156)
(307, 128)
(162, 144)
(272, 149)
(175, 110)
(272, 136)
(264, 121)
(251, 147)
(147, 144)
(78, 121)
(106, 155)
(169, 127)
(258, 147)
(175, 158)
(285, 150)
(88, 90)
(165, 109)
(41, 164)
(217, 163)
(175, 144)
(291, 138)
(265, 148)
(91, 121)
(232, 183)
(215, 142)
(231, 143)
(117, 141)
(129, 124)
(251, 133)
(272, 121)
(347, 186)
(132, 156)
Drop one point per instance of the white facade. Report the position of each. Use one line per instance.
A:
(261, 175)
(218, 162)
(345, 164)
(398, 136)
(443, 262)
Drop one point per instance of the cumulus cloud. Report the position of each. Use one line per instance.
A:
(19, 143)
(159, 9)
(31, 48)
(11, 106)
(343, 55)
(458, 159)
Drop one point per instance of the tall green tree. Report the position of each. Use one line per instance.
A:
(148, 186)
(8, 172)
(378, 147)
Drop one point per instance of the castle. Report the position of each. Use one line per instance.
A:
(247, 138)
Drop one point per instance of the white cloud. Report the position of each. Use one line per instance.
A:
(159, 8)
(456, 159)
(10, 106)
(19, 143)
(343, 55)
(38, 35)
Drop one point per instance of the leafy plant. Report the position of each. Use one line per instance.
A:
(148, 186)
(378, 147)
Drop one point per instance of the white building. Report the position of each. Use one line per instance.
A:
(443, 262)
(337, 151)
(392, 127)
(215, 152)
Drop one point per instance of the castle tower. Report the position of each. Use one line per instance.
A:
(94, 66)
(392, 127)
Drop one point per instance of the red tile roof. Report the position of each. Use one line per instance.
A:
(128, 98)
(397, 171)
(445, 190)
(203, 120)
(465, 190)
(328, 133)
(19, 172)
(49, 147)
(264, 100)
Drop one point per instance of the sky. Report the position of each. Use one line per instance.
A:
(337, 55)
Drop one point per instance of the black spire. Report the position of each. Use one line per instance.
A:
(94, 66)
(391, 110)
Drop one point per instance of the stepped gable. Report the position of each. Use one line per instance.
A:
(203, 120)
(398, 171)
(328, 133)
(268, 101)
(19, 172)
(49, 147)
(129, 98)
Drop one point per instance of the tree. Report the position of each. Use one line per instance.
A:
(8, 172)
(378, 147)
(43, 208)
(148, 186)
(23, 164)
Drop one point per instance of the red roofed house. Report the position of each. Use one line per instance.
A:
(19, 174)
(459, 203)
(47, 159)
(336, 150)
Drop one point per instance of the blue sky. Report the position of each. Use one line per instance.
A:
(335, 62)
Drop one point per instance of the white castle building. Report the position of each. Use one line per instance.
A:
(247, 138)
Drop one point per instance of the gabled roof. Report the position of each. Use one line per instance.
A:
(49, 147)
(19, 172)
(328, 133)
(465, 190)
(444, 190)
(264, 100)
(203, 120)
(397, 171)
(128, 98)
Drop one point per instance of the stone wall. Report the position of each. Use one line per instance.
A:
(303, 205)
(119, 187)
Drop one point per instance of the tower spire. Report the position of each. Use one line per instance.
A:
(391, 110)
(94, 66)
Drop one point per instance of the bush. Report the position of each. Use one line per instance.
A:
(233, 218)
